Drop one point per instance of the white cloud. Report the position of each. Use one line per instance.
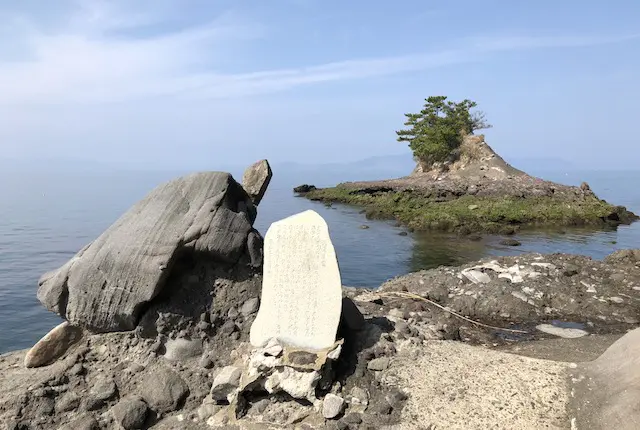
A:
(509, 43)
(85, 58)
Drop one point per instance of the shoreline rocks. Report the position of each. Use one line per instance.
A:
(381, 373)
(111, 282)
(425, 205)
(304, 188)
(479, 192)
(522, 292)
(255, 180)
(428, 348)
(53, 345)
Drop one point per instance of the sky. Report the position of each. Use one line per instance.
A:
(199, 83)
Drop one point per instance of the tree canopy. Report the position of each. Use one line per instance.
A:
(437, 131)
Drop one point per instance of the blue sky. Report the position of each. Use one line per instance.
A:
(198, 84)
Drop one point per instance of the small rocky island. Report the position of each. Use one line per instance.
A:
(478, 192)
(461, 185)
(181, 316)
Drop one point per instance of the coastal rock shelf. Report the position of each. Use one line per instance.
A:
(478, 192)
(524, 291)
(181, 317)
(400, 358)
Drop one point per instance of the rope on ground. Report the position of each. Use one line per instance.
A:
(424, 299)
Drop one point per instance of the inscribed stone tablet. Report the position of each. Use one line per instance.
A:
(301, 288)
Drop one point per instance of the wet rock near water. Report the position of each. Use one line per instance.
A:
(531, 289)
(510, 242)
(304, 188)
(192, 355)
(134, 383)
(476, 191)
(141, 261)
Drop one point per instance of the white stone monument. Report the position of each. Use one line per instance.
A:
(301, 288)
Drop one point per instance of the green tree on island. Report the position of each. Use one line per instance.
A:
(437, 131)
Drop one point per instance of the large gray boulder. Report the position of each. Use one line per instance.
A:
(110, 282)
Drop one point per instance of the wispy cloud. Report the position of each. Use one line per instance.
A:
(104, 52)
(511, 43)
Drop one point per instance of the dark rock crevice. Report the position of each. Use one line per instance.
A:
(195, 287)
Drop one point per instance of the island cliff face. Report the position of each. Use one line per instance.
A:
(475, 191)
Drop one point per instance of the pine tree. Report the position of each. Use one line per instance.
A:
(436, 132)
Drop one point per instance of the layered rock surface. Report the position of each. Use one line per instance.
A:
(109, 284)
(474, 159)
(255, 180)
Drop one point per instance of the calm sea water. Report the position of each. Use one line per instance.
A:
(47, 218)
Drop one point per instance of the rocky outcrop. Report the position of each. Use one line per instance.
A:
(474, 159)
(412, 352)
(276, 368)
(527, 291)
(424, 348)
(630, 257)
(304, 188)
(111, 282)
(475, 191)
(256, 180)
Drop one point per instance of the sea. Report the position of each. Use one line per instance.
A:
(46, 217)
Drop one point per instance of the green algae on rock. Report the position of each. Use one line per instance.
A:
(478, 192)
(493, 213)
